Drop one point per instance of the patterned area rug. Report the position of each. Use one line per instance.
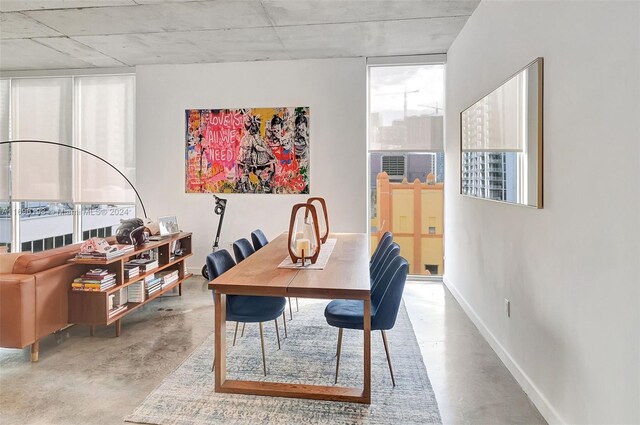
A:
(308, 355)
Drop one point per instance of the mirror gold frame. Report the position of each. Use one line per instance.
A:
(501, 141)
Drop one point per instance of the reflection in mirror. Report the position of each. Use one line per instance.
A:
(501, 141)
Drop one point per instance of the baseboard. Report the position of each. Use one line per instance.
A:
(543, 405)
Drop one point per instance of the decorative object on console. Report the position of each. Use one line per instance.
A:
(132, 232)
(323, 225)
(152, 226)
(304, 236)
(249, 150)
(99, 248)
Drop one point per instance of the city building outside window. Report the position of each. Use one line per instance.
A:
(406, 160)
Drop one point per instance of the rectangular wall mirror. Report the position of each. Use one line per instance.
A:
(501, 141)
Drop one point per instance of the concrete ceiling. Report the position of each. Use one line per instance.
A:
(52, 34)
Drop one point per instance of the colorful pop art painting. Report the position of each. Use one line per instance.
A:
(255, 150)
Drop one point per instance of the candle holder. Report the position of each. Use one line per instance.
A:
(304, 236)
(323, 224)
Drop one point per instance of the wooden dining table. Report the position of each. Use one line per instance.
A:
(345, 276)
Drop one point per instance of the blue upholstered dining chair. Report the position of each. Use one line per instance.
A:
(258, 239)
(243, 308)
(242, 249)
(385, 241)
(385, 303)
(375, 270)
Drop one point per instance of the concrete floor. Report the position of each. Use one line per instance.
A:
(471, 383)
(100, 380)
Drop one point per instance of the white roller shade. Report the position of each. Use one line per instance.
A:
(41, 110)
(497, 122)
(105, 111)
(406, 107)
(4, 136)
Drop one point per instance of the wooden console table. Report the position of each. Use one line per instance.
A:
(91, 308)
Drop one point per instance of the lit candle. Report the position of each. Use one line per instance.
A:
(303, 244)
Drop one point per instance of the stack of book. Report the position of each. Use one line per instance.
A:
(153, 284)
(131, 270)
(117, 310)
(168, 277)
(94, 280)
(145, 264)
(136, 292)
(117, 302)
(116, 251)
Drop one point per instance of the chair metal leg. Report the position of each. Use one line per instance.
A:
(264, 361)
(235, 334)
(242, 333)
(297, 308)
(386, 349)
(338, 353)
(213, 366)
(277, 332)
(290, 310)
(284, 320)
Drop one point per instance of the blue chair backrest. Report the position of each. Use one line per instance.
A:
(219, 262)
(393, 251)
(375, 271)
(385, 241)
(242, 249)
(386, 298)
(259, 239)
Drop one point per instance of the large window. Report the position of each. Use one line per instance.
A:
(52, 196)
(406, 161)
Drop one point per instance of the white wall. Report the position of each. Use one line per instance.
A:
(334, 89)
(570, 269)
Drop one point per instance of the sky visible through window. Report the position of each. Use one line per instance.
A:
(420, 84)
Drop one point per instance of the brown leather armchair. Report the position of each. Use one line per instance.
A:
(33, 295)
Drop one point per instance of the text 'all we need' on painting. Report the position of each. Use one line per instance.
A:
(253, 150)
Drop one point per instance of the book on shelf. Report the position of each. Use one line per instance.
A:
(89, 287)
(94, 280)
(121, 296)
(145, 264)
(153, 285)
(168, 277)
(154, 282)
(117, 310)
(107, 253)
(136, 293)
(131, 274)
(87, 277)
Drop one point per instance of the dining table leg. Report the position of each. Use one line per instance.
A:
(366, 392)
(220, 325)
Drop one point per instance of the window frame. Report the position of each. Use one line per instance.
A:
(386, 61)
